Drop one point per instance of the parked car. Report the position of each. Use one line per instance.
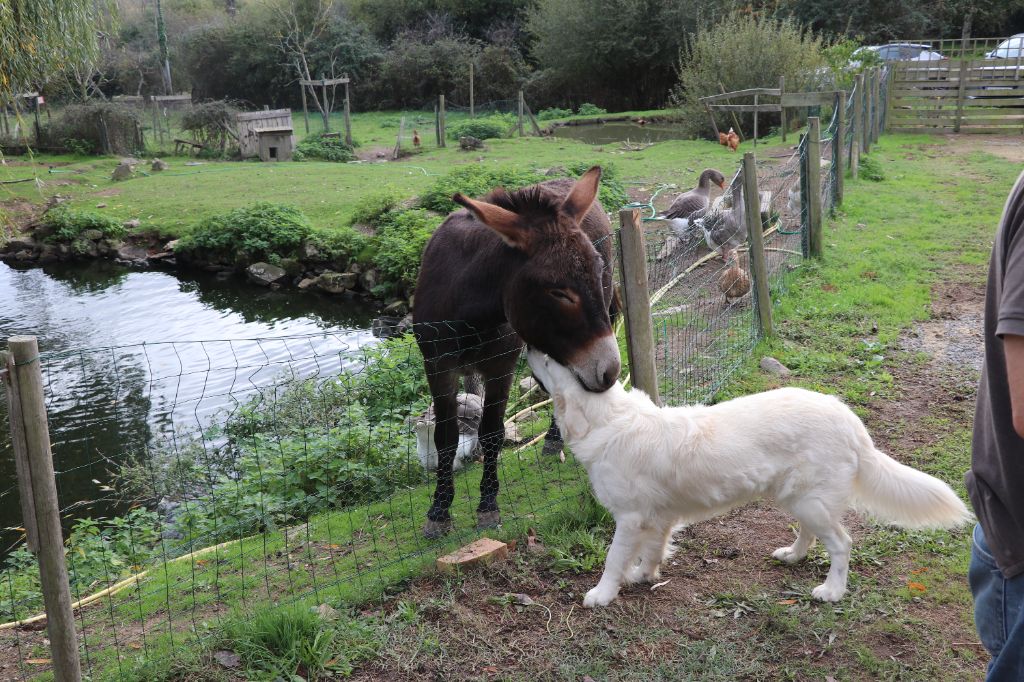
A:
(903, 52)
(1011, 48)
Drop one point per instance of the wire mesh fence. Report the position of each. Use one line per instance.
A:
(200, 478)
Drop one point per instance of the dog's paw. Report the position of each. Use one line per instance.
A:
(599, 597)
(787, 555)
(826, 592)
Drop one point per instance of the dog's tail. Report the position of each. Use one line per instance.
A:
(904, 496)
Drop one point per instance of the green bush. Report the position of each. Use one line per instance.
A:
(871, 169)
(400, 239)
(68, 224)
(484, 128)
(745, 51)
(474, 181)
(588, 109)
(612, 194)
(371, 208)
(320, 147)
(553, 113)
(261, 232)
(78, 147)
(339, 245)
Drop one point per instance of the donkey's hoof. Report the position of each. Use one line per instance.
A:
(489, 519)
(436, 529)
(552, 446)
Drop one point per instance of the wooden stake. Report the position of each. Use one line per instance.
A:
(437, 126)
(472, 110)
(28, 381)
(639, 330)
(856, 123)
(398, 142)
(876, 99)
(348, 118)
(755, 230)
(863, 112)
(814, 184)
(782, 115)
(521, 114)
(305, 109)
(441, 142)
(28, 510)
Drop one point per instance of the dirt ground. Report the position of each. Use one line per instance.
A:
(676, 630)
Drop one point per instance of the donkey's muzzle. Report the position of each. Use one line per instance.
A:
(597, 368)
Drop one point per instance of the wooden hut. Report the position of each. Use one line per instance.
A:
(275, 143)
(249, 122)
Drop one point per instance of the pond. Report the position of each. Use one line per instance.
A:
(130, 355)
(607, 133)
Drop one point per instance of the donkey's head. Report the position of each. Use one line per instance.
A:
(557, 299)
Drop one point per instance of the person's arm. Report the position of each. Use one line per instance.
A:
(1013, 348)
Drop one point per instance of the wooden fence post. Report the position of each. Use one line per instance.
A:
(27, 379)
(639, 329)
(755, 230)
(782, 112)
(521, 114)
(440, 123)
(398, 140)
(839, 147)
(437, 125)
(305, 109)
(863, 105)
(472, 109)
(856, 123)
(17, 425)
(348, 119)
(876, 109)
(814, 185)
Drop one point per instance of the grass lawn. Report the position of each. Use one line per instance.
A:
(874, 322)
(172, 201)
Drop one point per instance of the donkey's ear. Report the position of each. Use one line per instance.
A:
(506, 223)
(582, 195)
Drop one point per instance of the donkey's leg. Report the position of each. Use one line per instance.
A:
(553, 442)
(444, 389)
(492, 437)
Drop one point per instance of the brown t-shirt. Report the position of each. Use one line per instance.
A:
(995, 482)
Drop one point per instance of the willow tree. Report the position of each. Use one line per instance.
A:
(40, 38)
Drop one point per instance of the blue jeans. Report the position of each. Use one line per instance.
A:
(998, 612)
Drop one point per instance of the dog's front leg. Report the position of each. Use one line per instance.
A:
(621, 555)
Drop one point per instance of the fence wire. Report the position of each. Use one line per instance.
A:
(199, 477)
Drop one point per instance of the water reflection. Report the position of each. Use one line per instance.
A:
(122, 371)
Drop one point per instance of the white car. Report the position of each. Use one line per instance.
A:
(1011, 48)
(903, 52)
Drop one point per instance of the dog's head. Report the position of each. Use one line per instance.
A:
(565, 391)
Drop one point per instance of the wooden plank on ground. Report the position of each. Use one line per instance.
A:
(482, 551)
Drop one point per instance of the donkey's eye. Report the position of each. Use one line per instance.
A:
(562, 296)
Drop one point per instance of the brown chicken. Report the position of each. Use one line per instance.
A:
(723, 139)
(733, 140)
(415, 138)
(734, 281)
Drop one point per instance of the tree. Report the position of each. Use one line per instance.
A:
(620, 53)
(38, 38)
(306, 22)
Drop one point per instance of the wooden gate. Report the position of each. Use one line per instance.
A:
(252, 121)
(957, 95)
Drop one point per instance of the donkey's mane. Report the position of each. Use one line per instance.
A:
(538, 204)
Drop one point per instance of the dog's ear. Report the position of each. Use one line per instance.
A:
(571, 419)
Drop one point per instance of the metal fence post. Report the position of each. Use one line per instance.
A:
(755, 230)
(27, 379)
(839, 147)
(814, 185)
(639, 330)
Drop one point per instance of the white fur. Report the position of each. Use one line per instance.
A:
(426, 450)
(654, 468)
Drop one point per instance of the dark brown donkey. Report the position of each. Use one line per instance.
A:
(529, 266)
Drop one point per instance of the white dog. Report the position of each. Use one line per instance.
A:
(654, 468)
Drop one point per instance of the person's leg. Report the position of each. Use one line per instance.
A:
(998, 612)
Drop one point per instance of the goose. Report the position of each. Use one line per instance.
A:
(470, 411)
(724, 228)
(679, 213)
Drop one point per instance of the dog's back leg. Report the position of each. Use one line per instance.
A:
(621, 556)
(817, 519)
